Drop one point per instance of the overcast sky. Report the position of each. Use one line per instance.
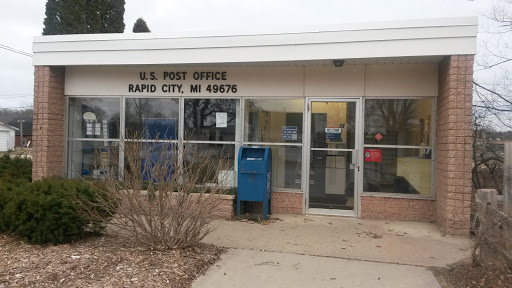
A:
(23, 19)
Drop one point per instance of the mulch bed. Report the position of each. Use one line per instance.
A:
(464, 275)
(107, 261)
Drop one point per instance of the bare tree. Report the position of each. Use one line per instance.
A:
(495, 56)
(163, 202)
(492, 107)
(487, 154)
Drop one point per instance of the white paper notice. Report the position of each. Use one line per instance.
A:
(88, 130)
(97, 128)
(105, 132)
(221, 119)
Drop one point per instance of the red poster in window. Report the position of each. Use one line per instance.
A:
(372, 155)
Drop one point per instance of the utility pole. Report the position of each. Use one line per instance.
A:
(21, 132)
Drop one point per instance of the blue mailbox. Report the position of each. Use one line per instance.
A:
(254, 177)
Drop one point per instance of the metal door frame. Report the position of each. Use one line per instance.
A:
(356, 157)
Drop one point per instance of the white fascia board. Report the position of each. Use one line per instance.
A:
(417, 23)
(451, 36)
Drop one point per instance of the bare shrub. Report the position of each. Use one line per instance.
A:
(169, 193)
(488, 234)
(492, 238)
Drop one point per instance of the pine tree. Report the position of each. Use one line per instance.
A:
(84, 16)
(72, 17)
(51, 21)
(141, 26)
(94, 10)
(113, 18)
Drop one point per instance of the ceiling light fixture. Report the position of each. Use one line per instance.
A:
(338, 62)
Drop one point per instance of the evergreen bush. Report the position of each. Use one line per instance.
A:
(50, 210)
(16, 168)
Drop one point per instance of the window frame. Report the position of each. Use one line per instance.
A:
(239, 130)
(67, 162)
(433, 124)
(123, 115)
(67, 137)
(266, 144)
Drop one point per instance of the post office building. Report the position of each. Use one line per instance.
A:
(369, 120)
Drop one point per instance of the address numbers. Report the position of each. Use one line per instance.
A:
(223, 88)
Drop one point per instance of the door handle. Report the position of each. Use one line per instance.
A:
(354, 161)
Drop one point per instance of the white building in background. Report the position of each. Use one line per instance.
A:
(7, 134)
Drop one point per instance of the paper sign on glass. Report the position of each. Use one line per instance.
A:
(221, 120)
(97, 128)
(333, 133)
(88, 130)
(289, 132)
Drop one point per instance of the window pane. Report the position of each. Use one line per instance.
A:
(398, 171)
(331, 182)
(94, 117)
(286, 167)
(275, 121)
(200, 154)
(211, 119)
(333, 125)
(398, 122)
(152, 118)
(92, 158)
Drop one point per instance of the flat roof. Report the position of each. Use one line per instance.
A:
(411, 38)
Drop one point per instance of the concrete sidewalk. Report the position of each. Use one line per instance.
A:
(247, 268)
(403, 242)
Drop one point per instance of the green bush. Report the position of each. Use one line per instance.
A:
(50, 210)
(15, 168)
(8, 190)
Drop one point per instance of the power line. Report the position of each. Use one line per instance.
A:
(17, 94)
(15, 50)
(12, 97)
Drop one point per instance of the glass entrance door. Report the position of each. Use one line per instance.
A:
(333, 157)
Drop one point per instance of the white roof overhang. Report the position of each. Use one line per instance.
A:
(427, 37)
(7, 126)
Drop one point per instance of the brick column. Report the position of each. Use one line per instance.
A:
(453, 145)
(48, 129)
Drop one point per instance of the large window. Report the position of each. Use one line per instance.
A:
(399, 122)
(93, 136)
(212, 120)
(204, 159)
(94, 118)
(97, 126)
(212, 126)
(92, 158)
(265, 120)
(398, 146)
(278, 124)
(152, 118)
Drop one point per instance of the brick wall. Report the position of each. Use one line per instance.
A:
(48, 129)
(287, 202)
(454, 144)
(282, 202)
(398, 209)
(225, 210)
